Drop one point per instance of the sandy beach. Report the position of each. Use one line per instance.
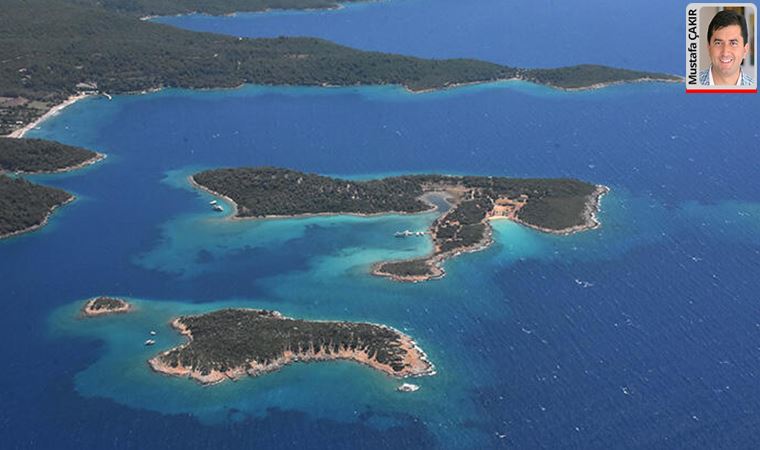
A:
(52, 112)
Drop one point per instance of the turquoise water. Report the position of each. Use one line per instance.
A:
(640, 334)
(648, 320)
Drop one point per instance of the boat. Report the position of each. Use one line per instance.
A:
(150, 342)
(407, 387)
(403, 234)
(212, 202)
(152, 333)
(217, 208)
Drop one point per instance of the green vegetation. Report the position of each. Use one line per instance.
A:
(588, 75)
(408, 269)
(216, 7)
(556, 205)
(271, 191)
(36, 155)
(107, 304)
(52, 49)
(234, 338)
(24, 205)
(102, 306)
(267, 191)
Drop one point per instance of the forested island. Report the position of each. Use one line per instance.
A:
(232, 343)
(101, 306)
(54, 50)
(550, 205)
(26, 206)
(40, 156)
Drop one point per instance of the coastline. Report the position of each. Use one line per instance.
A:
(18, 134)
(338, 5)
(613, 83)
(41, 224)
(88, 162)
(458, 85)
(416, 363)
(435, 261)
(88, 311)
(590, 212)
(21, 132)
(591, 87)
(235, 216)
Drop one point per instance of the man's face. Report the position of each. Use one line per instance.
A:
(727, 49)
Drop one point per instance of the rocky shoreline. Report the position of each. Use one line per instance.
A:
(415, 362)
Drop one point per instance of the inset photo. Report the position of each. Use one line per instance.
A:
(721, 48)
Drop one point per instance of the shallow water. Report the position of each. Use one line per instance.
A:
(642, 333)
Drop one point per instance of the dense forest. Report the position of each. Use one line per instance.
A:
(232, 338)
(52, 49)
(269, 191)
(36, 155)
(548, 204)
(24, 205)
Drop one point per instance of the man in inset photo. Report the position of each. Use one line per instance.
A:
(727, 41)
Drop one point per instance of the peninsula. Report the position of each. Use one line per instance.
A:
(232, 343)
(40, 156)
(558, 206)
(53, 52)
(101, 306)
(26, 206)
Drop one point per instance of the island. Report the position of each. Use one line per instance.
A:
(26, 206)
(101, 306)
(231, 343)
(559, 206)
(41, 156)
(48, 64)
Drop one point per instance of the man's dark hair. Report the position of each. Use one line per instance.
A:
(725, 19)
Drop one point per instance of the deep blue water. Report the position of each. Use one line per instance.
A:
(638, 34)
(660, 349)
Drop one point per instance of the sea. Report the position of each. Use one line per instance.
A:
(643, 333)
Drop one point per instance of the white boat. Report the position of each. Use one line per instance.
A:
(217, 208)
(407, 387)
(152, 333)
(150, 342)
(212, 202)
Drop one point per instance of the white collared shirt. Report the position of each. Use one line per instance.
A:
(738, 80)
